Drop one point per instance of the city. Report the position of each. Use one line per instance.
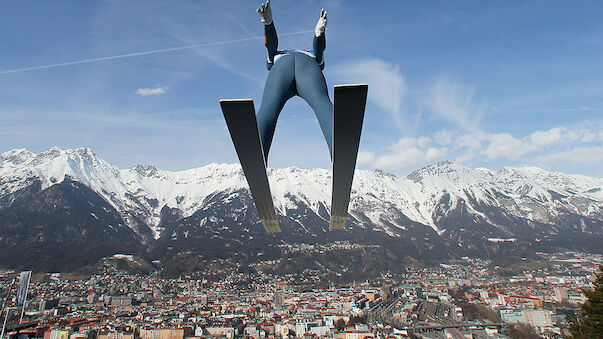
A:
(468, 298)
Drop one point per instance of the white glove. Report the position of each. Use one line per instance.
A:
(321, 25)
(266, 13)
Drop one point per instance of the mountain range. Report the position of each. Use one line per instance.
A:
(63, 209)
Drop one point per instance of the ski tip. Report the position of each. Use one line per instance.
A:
(337, 223)
(352, 85)
(235, 100)
(271, 226)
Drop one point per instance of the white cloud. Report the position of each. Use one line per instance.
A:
(471, 142)
(504, 145)
(443, 137)
(590, 137)
(405, 143)
(387, 87)
(565, 148)
(465, 157)
(152, 91)
(452, 101)
(573, 159)
(546, 146)
(409, 154)
(541, 139)
(365, 158)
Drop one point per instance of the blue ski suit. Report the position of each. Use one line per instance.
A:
(294, 72)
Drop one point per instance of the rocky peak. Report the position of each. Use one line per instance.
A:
(17, 156)
(146, 170)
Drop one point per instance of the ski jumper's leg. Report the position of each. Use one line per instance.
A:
(279, 87)
(312, 87)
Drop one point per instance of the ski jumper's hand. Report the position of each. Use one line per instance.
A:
(266, 13)
(321, 25)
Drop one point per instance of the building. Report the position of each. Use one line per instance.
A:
(538, 318)
(279, 299)
(121, 301)
(162, 333)
(561, 294)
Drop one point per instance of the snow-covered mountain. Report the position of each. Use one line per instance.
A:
(62, 209)
(426, 196)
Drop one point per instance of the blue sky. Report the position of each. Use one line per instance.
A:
(488, 84)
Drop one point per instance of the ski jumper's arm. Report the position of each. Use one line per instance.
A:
(320, 42)
(270, 37)
(271, 42)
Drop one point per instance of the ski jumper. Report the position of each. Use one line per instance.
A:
(291, 73)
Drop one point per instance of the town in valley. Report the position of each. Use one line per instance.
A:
(468, 298)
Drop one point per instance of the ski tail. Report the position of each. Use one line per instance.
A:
(242, 125)
(348, 115)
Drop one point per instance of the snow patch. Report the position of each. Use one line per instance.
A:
(502, 240)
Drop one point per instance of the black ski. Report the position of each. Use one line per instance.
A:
(348, 114)
(243, 128)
